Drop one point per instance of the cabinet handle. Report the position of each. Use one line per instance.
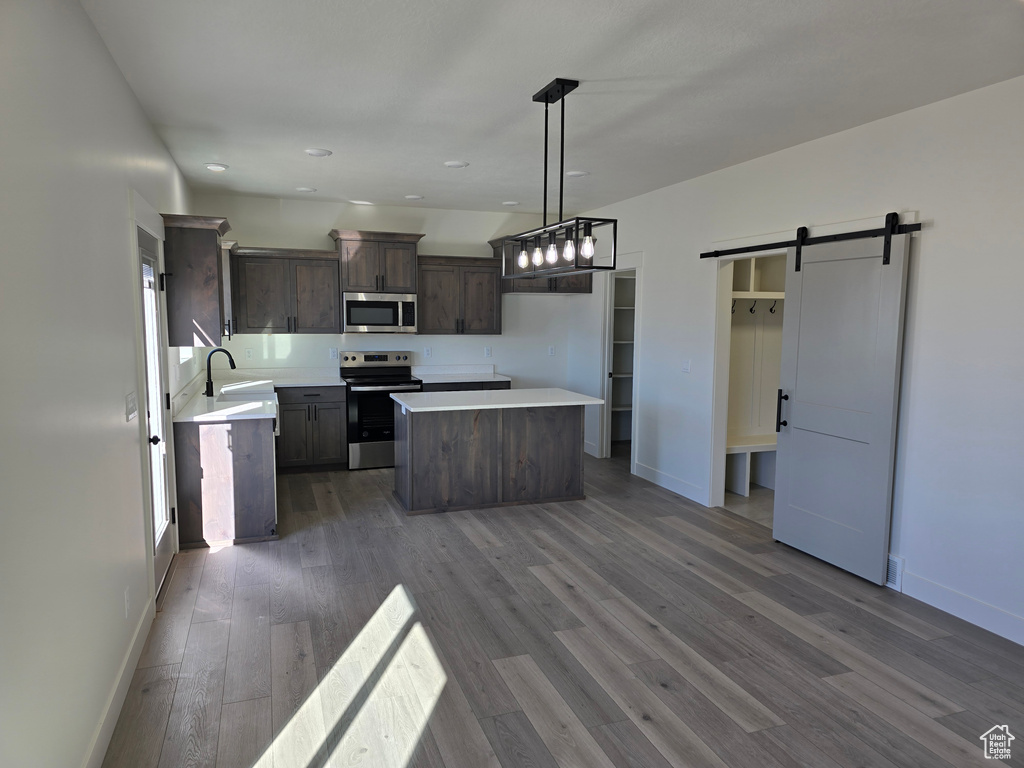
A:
(307, 412)
(288, 323)
(314, 413)
(295, 324)
(779, 421)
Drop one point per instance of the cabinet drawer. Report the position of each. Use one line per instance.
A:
(306, 395)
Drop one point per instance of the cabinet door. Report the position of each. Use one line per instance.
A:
(317, 296)
(574, 283)
(295, 443)
(398, 268)
(330, 443)
(438, 299)
(480, 289)
(264, 296)
(194, 280)
(360, 266)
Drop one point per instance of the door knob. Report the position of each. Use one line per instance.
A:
(154, 440)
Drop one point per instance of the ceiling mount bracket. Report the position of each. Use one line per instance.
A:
(555, 90)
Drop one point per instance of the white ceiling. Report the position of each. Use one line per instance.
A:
(670, 89)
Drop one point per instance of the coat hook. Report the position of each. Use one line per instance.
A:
(772, 310)
(734, 306)
(752, 306)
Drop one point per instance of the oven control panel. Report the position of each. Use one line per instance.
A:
(375, 359)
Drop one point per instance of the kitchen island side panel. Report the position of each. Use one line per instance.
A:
(403, 459)
(455, 459)
(543, 450)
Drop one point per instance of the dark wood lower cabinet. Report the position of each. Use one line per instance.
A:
(466, 386)
(225, 482)
(467, 459)
(313, 426)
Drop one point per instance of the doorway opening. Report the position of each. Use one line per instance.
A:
(620, 384)
(753, 347)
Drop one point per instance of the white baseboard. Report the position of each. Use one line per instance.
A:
(963, 606)
(105, 728)
(589, 446)
(672, 483)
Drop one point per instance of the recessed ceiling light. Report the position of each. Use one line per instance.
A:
(305, 189)
(510, 202)
(360, 202)
(577, 174)
(315, 152)
(414, 197)
(456, 164)
(216, 167)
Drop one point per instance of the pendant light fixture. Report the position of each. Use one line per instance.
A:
(573, 238)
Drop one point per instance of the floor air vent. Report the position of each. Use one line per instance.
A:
(894, 573)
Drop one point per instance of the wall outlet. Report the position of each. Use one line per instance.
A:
(126, 602)
(487, 351)
(551, 350)
(131, 407)
(248, 353)
(685, 366)
(333, 353)
(426, 351)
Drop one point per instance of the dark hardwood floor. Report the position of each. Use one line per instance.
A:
(633, 629)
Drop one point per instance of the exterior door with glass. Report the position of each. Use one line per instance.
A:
(153, 409)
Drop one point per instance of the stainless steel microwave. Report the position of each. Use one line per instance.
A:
(379, 312)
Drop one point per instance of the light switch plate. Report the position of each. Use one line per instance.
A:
(551, 350)
(686, 366)
(131, 407)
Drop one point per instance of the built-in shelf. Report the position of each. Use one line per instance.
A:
(750, 443)
(624, 327)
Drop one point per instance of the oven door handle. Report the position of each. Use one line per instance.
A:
(387, 388)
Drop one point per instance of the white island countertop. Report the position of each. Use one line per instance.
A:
(417, 402)
(213, 409)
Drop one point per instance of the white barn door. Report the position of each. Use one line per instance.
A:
(842, 343)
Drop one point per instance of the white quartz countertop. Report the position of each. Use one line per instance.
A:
(212, 409)
(417, 402)
(458, 378)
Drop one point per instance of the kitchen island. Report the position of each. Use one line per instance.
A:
(467, 450)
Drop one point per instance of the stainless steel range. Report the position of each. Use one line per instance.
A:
(371, 378)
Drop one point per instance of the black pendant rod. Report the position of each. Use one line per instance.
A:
(893, 227)
(561, 164)
(545, 163)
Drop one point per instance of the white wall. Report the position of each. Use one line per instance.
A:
(73, 143)
(957, 511)
(530, 324)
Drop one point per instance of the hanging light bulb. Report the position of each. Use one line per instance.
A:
(538, 255)
(587, 246)
(552, 255)
(524, 257)
(569, 252)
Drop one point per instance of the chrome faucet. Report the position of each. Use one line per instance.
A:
(209, 372)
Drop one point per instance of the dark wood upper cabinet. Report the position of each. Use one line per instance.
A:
(583, 283)
(377, 262)
(317, 293)
(398, 267)
(480, 298)
(459, 295)
(437, 298)
(286, 291)
(360, 265)
(264, 299)
(194, 280)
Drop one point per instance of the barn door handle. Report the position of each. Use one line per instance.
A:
(779, 423)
